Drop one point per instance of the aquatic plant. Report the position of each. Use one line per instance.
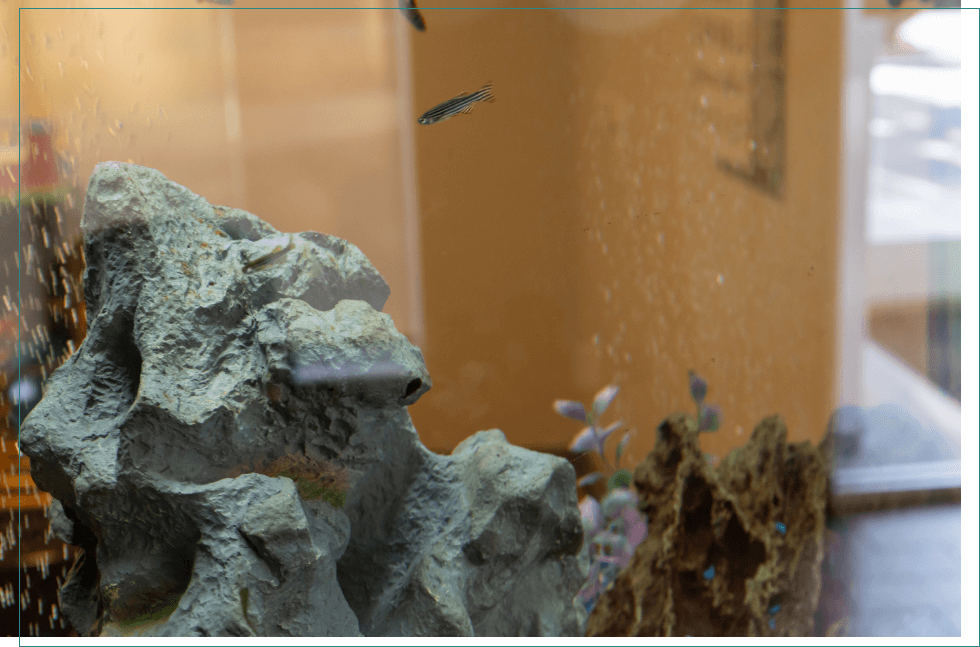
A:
(614, 527)
(708, 416)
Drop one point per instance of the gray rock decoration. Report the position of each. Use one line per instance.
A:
(231, 448)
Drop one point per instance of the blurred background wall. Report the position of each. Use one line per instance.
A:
(654, 191)
(628, 210)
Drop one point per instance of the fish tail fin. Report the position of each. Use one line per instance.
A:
(486, 92)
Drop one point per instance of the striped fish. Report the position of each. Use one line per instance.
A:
(460, 104)
(411, 11)
(268, 259)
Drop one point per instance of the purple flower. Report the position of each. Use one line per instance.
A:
(636, 526)
(593, 584)
(570, 409)
(616, 501)
(591, 439)
(602, 400)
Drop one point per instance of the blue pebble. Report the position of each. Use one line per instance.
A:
(772, 624)
(774, 609)
(781, 527)
(710, 573)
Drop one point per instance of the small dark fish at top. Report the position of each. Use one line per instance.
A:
(411, 11)
(460, 104)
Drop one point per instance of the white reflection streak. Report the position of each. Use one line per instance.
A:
(323, 373)
(233, 120)
(413, 260)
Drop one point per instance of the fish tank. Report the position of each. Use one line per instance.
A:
(408, 320)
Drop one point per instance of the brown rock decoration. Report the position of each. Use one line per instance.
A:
(731, 551)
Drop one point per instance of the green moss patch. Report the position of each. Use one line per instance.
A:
(315, 479)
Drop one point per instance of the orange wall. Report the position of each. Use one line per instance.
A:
(579, 232)
(576, 232)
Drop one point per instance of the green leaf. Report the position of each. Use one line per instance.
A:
(621, 446)
(602, 400)
(620, 479)
(570, 409)
(586, 441)
(589, 479)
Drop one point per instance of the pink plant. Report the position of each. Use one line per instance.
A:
(615, 527)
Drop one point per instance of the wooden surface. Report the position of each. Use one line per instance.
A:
(14, 485)
(903, 329)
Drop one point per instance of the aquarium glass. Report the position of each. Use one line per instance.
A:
(560, 199)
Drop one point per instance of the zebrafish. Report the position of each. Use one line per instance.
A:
(268, 259)
(411, 11)
(460, 104)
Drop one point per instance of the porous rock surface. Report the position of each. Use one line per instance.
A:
(215, 345)
(731, 551)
